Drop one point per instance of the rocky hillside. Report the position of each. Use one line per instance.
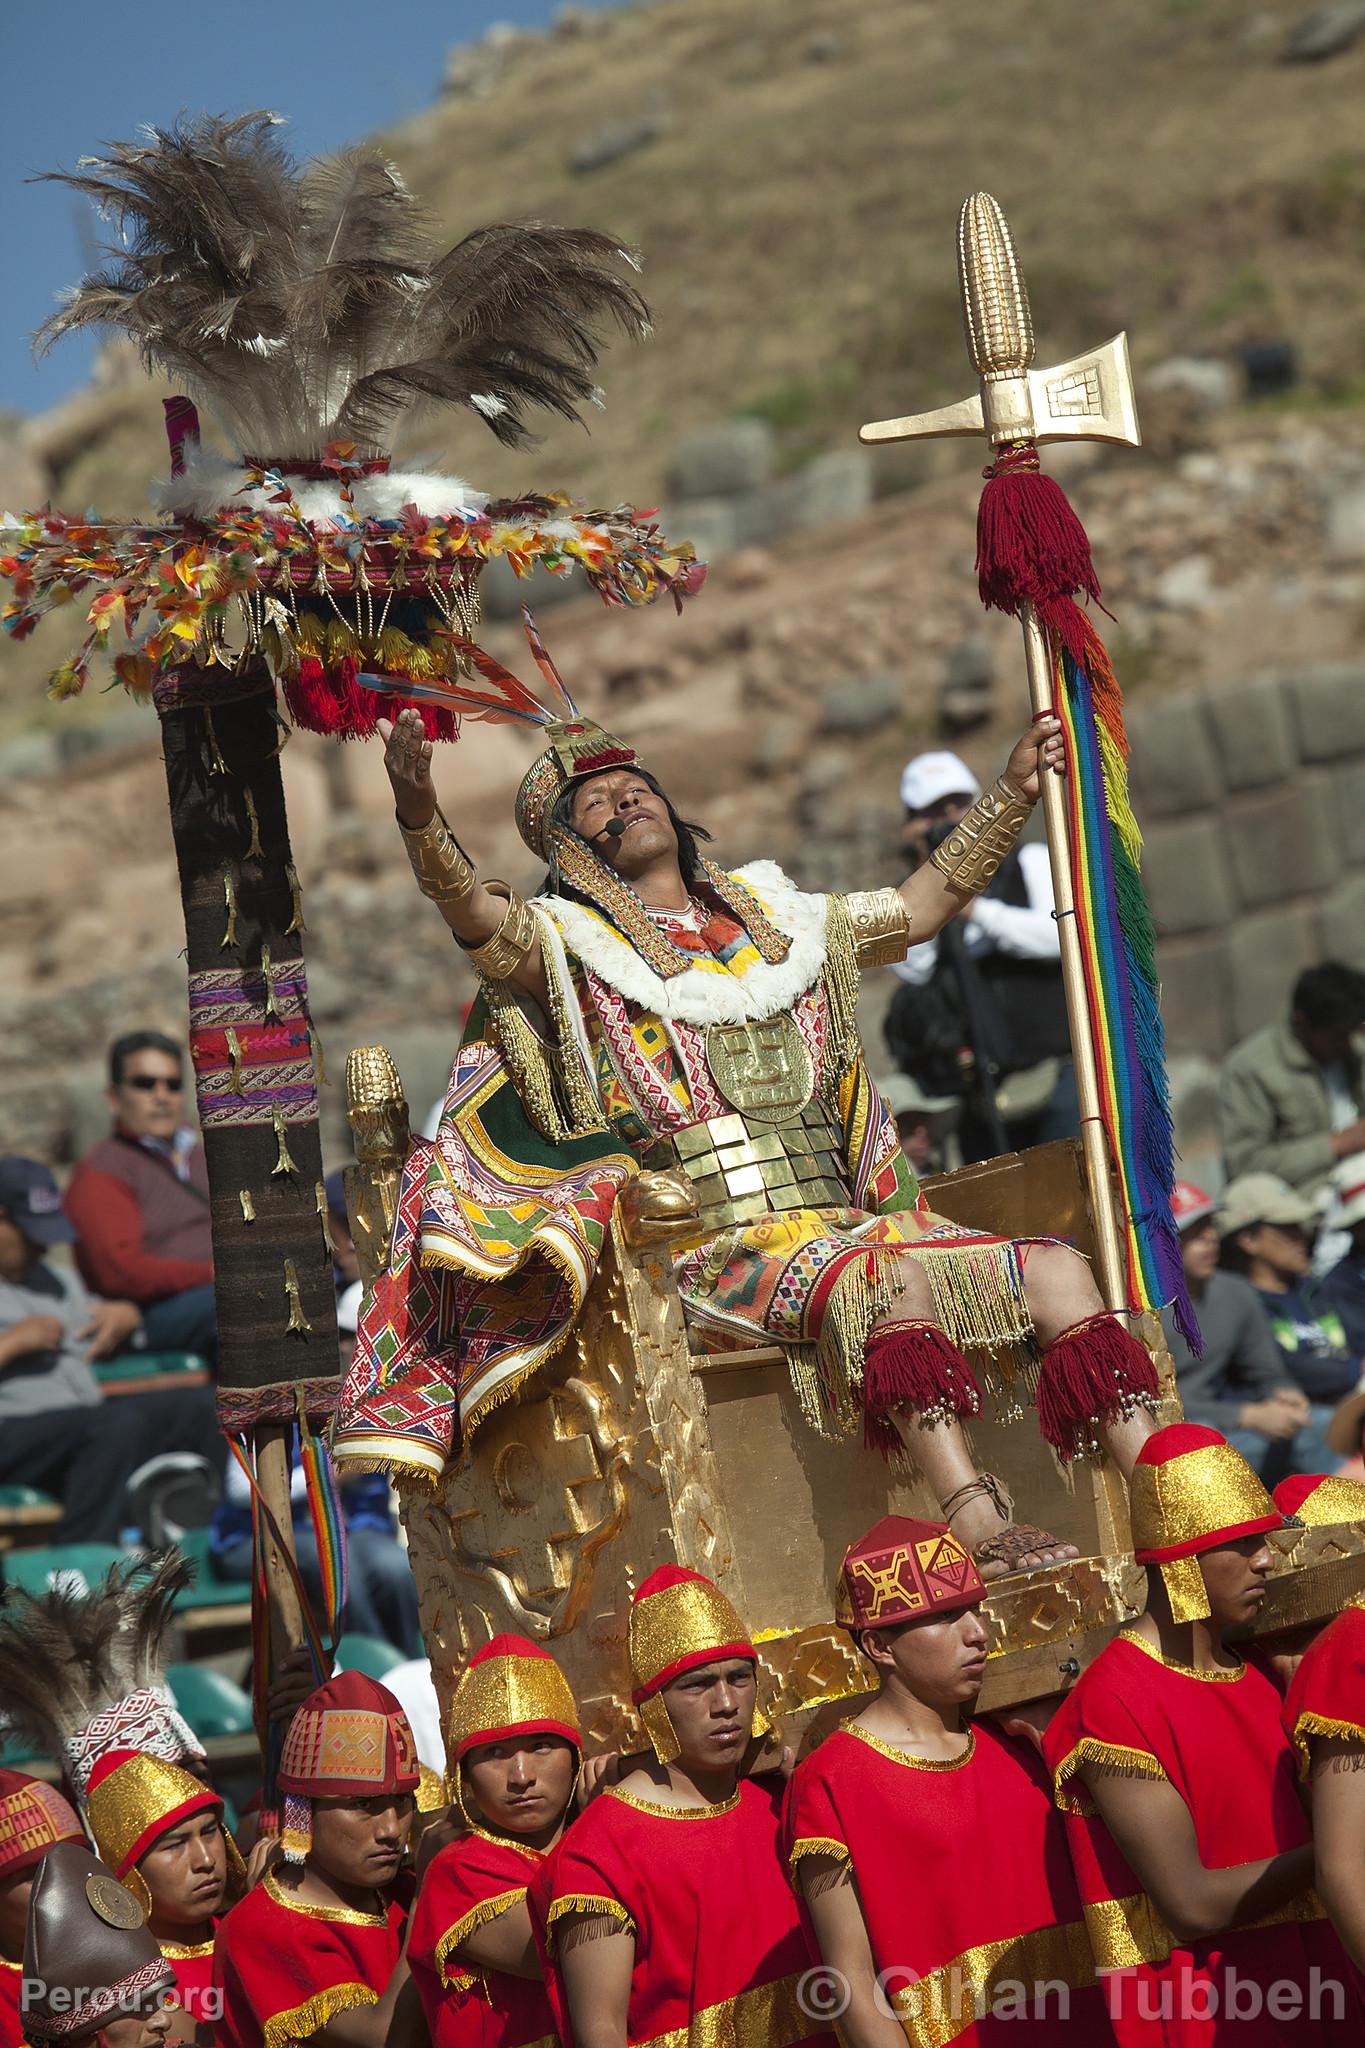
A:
(792, 173)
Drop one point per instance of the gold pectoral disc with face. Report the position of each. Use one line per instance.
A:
(764, 1069)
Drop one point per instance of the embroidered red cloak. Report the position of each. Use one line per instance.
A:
(1215, 1736)
(472, 1881)
(718, 1946)
(285, 1967)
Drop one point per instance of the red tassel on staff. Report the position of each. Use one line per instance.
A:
(913, 1365)
(1031, 548)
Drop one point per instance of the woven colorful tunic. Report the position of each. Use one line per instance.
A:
(965, 1885)
(285, 1967)
(469, 1883)
(502, 1219)
(719, 1953)
(1215, 1736)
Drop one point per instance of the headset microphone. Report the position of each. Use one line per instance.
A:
(613, 830)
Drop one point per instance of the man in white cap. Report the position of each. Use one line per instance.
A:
(1010, 946)
(1267, 1231)
(1238, 1384)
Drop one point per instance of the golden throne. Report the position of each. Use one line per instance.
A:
(633, 1451)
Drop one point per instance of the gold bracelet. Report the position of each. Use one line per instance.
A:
(971, 854)
(511, 942)
(444, 871)
(881, 926)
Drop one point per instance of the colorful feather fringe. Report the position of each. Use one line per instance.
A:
(1118, 950)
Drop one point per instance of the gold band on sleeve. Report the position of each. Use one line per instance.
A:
(444, 871)
(972, 852)
(511, 942)
(881, 926)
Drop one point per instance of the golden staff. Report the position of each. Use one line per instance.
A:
(1089, 398)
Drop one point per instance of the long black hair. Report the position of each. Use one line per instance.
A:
(688, 835)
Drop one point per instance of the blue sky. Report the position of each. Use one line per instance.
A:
(74, 73)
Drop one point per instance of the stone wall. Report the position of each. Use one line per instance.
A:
(1251, 796)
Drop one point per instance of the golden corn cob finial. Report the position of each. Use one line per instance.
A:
(995, 308)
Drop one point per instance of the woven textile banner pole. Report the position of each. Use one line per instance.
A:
(253, 1056)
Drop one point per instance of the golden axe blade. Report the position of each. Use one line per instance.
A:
(1089, 398)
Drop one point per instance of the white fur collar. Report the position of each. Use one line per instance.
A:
(211, 482)
(695, 996)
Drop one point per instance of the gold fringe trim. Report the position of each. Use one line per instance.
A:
(978, 1292)
(234, 1046)
(840, 978)
(818, 1845)
(296, 923)
(254, 849)
(828, 1375)
(284, 2028)
(229, 937)
(248, 1206)
(284, 1162)
(590, 1903)
(549, 1083)
(1113, 1757)
(486, 1910)
(298, 1321)
(1310, 1725)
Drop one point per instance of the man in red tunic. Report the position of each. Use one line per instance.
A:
(514, 1745)
(161, 1832)
(1191, 1847)
(931, 1862)
(665, 1910)
(312, 1953)
(1324, 1718)
(32, 1818)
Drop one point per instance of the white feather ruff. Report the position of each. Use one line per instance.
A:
(211, 482)
(694, 996)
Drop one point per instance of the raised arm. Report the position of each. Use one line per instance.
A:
(946, 883)
(1152, 1826)
(492, 924)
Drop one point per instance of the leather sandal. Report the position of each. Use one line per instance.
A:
(1010, 1545)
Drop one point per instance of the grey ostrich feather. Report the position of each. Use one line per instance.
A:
(67, 1655)
(305, 305)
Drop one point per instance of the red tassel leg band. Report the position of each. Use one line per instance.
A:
(913, 1365)
(1094, 1373)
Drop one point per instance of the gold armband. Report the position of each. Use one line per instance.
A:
(881, 926)
(443, 869)
(975, 847)
(511, 942)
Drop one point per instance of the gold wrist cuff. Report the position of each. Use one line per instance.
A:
(511, 942)
(881, 926)
(974, 849)
(443, 869)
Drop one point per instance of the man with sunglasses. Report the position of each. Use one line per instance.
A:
(140, 1201)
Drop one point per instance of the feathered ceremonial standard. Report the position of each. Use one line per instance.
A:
(309, 312)
(1033, 559)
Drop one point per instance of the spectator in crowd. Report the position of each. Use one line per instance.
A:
(1346, 1436)
(987, 993)
(1238, 1384)
(925, 1124)
(1291, 1097)
(57, 1431)
(1267, 1233)
(1343, 1288)
(140, 1201)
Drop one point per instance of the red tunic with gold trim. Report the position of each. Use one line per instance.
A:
(964, 1880)
(1327, 1693)
(470, 1882)
(719, 1951)
(11, 2029)
(285, 1967)
(1215, 1736)
(193, 1966)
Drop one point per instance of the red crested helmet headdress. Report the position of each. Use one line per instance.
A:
(1320, 1499)
(350, 1736)
(510, 1687)
(1191, 1491)
(679, 1620)
(904, 1570)
(32, 1817)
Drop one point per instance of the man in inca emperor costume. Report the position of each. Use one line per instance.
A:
(652, 1019)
